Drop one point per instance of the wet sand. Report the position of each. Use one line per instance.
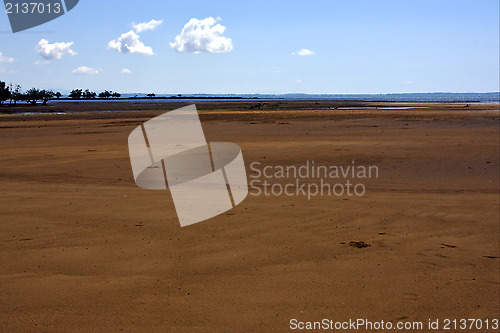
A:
(84, 249)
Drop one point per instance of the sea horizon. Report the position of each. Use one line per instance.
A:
(437, 97)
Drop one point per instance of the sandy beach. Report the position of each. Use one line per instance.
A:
(84, 249)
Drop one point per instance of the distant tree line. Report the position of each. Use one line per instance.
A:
(13, 94)
(87, 94)
(32, 96)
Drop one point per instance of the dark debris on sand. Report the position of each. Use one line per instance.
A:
(358, 244)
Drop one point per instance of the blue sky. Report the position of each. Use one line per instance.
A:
(353, 47)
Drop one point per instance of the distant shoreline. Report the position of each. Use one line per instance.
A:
(436, 97)
(114, 106)
(488, 97)
(154, 98)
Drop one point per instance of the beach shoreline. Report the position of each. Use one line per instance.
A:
(85, 249)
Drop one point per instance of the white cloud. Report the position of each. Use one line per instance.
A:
(84, 70)
(303, 52)
(202, 36)
(5, 58)
(53, 51)
(126, 71)
(129, 43)
(145, 26)
(298, 81)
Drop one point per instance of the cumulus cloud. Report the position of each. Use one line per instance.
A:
(303, 52)
(126, 71)
(53, 51)
(145, 26)
(5, 59)
(202, 36)
(84, 70)
(129, 43)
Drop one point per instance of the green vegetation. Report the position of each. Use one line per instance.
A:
(108, 94)
(33, 96)
(75, 94)
(4, 92)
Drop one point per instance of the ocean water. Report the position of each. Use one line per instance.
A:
(489, 97)
(407, 97)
